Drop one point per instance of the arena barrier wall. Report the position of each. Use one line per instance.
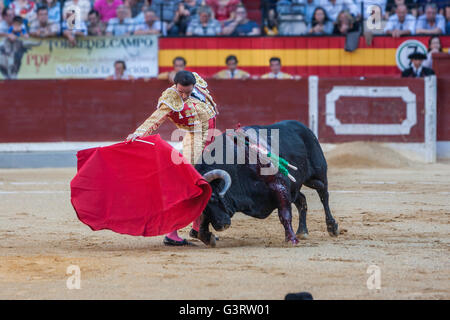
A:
(74, 114)
(400, 112)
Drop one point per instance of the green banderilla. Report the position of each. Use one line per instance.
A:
(282, 165)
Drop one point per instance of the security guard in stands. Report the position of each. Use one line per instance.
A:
(417, 70)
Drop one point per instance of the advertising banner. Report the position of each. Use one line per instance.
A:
(90, 57)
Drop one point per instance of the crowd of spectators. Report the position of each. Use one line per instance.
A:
(73, 18)
(339, 17)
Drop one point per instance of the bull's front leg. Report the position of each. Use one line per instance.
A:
(204, 235)
(284, 210)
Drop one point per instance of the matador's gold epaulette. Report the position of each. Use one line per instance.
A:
(200, 82)
(202, 86)
(172, 99)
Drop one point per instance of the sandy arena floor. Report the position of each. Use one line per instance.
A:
(396, 218)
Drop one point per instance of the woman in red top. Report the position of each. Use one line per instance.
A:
(223, 9)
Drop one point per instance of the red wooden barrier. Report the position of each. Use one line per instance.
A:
(371, 110)
(443, 109)
(100, 110)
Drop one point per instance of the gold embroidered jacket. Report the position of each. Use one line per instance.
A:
(190, 115)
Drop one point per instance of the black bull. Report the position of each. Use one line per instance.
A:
(242, 187)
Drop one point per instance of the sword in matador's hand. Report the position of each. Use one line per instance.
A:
(134, 137)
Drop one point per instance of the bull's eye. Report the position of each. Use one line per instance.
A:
(214, 198)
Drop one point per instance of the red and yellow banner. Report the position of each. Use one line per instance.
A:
(323, 56)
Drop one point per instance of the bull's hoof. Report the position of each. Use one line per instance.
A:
(303, 235)
(212, 241)
(194, 234)
(209, 239)
(333, 230)
(221, 228)
(294, 241)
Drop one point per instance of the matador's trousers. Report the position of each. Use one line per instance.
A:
(195, 142)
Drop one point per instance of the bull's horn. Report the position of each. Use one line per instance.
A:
(219, 174)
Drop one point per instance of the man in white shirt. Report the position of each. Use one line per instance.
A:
(333, 7)
(431, 22)
(401, 23)
(42, 27)
(121, 25)
(151, 25)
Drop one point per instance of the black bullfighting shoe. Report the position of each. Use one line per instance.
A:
(169, 242)
(194, 234)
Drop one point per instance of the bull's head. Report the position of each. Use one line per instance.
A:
(217, 211)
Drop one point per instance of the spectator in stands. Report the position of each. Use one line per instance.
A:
(345, 23)
(25, 9)
(434, 46)
(431, 22)
(107, 8)
(54, 10)
(81, 6)
(291, 18)
(391, 6)
(152, 25)
(121, 25)
(440, 5)
(271, 23)
(320, 24)
(95, 26)
(310, 7)
(334, 7)
(186, 12)
(275, 70)
(42, 27)
(139, 18)
(232, 72)
(401, 23)
(17, 29)
(240, 25)
(7, 20)
(270, 17)
(181, 20)
(205, 25)
(417, 70)
(223, 9)
(179, 64)
(192, 6)
(447, 17)
(72, 32)
(135, 6)
(165, 9)
(120, 72)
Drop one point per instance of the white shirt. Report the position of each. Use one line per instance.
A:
(417, 71)
(408, 24)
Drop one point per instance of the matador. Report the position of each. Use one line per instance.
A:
(190, 106)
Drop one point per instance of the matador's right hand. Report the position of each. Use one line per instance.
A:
(132, 137)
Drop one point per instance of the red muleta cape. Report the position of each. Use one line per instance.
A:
(135, 188)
